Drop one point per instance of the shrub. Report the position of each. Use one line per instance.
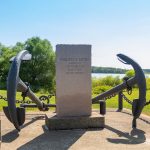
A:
(100, 85)
(100, 89)
(148, 83)
(130, 73)
(111, 81)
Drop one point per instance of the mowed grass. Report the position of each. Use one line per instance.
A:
(110, 103)
(19, 97)
(113, 102)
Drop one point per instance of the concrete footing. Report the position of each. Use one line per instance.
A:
(53, 122)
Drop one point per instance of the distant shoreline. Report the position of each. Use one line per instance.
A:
(113, 70)
(108, 72)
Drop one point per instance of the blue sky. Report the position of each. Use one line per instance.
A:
(110, 26)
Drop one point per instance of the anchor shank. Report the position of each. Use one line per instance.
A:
(22, 87)
(114, 90)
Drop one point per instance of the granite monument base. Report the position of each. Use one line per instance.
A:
(53, 122)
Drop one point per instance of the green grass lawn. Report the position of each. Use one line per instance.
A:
(110, 103)
(113, 102)
(19, 97)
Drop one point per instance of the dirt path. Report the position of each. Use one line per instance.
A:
(117, 134)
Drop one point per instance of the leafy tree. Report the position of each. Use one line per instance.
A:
(40, 70)
(18, 47)
(5, 54)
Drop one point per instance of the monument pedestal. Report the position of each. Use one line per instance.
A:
(53, 122)
(73, 90)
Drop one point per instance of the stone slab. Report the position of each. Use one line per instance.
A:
(73, 80)
(53, 122)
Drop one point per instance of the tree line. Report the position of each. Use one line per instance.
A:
(108, 70)
(39, 71)
(96, 69)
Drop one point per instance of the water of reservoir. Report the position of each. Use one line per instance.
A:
(101, 75)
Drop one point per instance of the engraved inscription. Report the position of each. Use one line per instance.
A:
(75, 65)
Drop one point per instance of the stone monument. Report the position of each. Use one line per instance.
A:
(73, 80)
(73, 90)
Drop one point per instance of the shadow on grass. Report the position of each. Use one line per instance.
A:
(136, 136)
